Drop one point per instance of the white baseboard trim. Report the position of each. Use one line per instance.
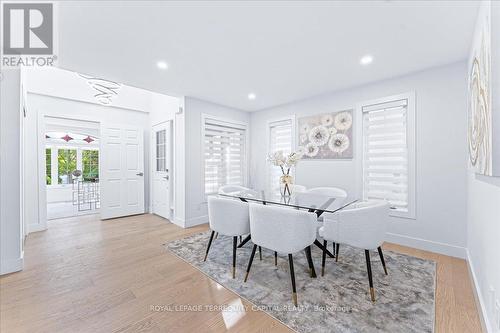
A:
(11, 266)
(427, 245)
(196, 221)
(478, 298)
(36, 227)
(178, 221)
(190, 222)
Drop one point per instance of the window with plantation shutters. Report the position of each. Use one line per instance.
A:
(224, 154)
(280, 138)
(389, 153)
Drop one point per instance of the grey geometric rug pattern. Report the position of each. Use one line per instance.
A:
(337, 302)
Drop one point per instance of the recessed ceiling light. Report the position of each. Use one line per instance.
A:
(252, 96)
(162, 65)
(366, 60)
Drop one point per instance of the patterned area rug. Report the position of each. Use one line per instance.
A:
(336, 302)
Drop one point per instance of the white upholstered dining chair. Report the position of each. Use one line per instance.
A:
(337, 193)
(230, 218)
(228, 189)
(282, 230)
(362, 225)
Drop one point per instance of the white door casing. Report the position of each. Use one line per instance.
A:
(121, 170)
(161, 169)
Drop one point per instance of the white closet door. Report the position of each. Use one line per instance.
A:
(121, 171)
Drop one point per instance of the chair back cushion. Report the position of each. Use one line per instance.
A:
(363, 225)
(228, 217)
(282, 229)
(329, 191)
(231, 188)
(298, 188)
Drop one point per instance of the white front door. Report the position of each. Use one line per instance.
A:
(161, 154)
(121, 170)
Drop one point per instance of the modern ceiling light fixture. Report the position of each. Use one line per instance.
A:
(366, 60)
(162, 65)
(106, 89)
(252, 96)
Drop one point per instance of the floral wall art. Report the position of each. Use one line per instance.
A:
(484, 97)
(326, 136)
(479, 127)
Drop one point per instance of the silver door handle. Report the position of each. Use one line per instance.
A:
(140, 174)
(166, 177)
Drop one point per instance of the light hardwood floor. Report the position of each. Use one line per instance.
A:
(86, 275)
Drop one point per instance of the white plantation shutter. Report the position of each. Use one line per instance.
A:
(387, 153)
(280, 138)
(224, 154)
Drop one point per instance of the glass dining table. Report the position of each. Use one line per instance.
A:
(312, 202)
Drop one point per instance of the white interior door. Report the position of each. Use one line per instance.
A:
(121, 171)
(161, 163)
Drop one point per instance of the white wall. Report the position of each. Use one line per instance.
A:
(440, 225)
(196, 205)
(483, 202)
(483, 239)
(10, 228)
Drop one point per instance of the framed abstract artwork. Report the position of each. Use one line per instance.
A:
(326, 136)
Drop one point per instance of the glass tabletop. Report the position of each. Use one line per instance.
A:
(303, 200)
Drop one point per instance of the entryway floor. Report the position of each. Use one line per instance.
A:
(59, 210)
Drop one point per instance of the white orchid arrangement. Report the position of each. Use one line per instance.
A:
(278, 158)
(285, 162)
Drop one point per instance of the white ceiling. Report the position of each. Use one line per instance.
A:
(282, 51)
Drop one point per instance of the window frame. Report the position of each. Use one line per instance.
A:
(411, 128)
(236, 123)
(79, 160)
(48, 165)
(80, 151)
(156, 145)
(269, 124)
(69, 149)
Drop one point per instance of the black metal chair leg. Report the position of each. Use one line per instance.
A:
(312, 271)
(275, 258)
(333, 248)
(323, 258)
(337, 251)
(235, 244)
(318, 244)
(292, 276)
(370, 279)
(250, 262)
(246, 240)
(209, 243)
(260, 253)
(382, 259)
